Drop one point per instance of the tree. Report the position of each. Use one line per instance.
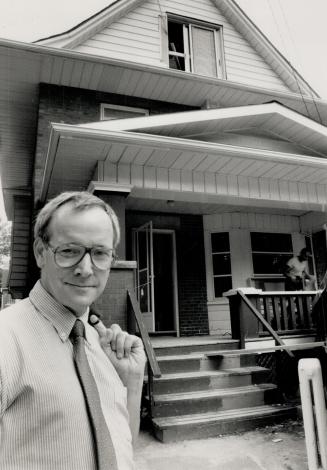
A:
(5, 242)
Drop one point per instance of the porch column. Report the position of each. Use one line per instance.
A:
(114, 195)
(112, 304)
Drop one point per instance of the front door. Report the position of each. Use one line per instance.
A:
(156, 280)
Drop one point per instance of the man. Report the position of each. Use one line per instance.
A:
(46, 415)
(297, 271)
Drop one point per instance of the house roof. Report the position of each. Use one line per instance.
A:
(237, 17)
(162, 145)
(24, 66)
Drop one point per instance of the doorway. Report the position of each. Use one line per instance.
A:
(156, 279)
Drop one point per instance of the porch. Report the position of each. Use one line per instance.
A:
(210, 385)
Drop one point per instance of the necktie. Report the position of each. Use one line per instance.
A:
(105, 453)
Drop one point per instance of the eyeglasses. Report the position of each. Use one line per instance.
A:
(69, 255)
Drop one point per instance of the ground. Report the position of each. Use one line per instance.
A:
(279, 447)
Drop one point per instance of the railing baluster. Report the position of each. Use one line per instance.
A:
(301, 319)
(309, 311)
(276, 310)
(284, 312)
(292, 306)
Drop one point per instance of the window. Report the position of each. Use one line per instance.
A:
(270, 252)
(112, 111)
(222, 272)
(195, 47)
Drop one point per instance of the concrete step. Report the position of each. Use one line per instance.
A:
(207, 379)
(213, 424)
(205, 361)
(190, 345)
(175, 404)
(182, 362)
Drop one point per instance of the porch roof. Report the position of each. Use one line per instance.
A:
(24, 66)
(161, 165)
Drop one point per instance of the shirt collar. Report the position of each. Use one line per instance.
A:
(59, 316)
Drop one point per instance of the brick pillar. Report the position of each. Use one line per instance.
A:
(193, 310)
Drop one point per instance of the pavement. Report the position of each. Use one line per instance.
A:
(278, 447)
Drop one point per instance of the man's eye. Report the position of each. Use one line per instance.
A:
(69, 252)
(101, 253)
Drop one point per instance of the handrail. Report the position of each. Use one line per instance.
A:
(149, 351)
(265, 323)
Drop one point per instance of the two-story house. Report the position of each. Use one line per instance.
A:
(208, 144)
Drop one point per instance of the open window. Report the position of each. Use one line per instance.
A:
(195, 47)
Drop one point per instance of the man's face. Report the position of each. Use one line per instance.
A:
(78, 286)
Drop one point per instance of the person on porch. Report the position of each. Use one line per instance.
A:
(297, 272)
(70, 389)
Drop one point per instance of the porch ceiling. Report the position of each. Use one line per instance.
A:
(74, 152)
(23, 66)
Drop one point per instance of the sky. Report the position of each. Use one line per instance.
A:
(296, 27)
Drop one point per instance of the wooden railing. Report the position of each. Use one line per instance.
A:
(285, 313)
(152, 363)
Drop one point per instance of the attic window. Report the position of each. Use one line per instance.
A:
(112, 111)
(195, 47)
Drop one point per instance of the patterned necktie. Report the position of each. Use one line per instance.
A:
(105, 453)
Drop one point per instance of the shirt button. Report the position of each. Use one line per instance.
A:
(63, 336)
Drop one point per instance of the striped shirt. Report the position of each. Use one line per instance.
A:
(43, 418)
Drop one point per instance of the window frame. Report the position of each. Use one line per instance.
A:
(188, 55)
(212, 263)
(256, 252)
(116, 107)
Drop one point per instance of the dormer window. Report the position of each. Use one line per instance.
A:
(195, 47)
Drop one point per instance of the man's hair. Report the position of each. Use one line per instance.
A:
(79, 201)
(305, 251)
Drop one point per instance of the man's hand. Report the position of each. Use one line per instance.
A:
(125, 351)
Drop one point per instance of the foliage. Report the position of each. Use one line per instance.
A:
(5, 241)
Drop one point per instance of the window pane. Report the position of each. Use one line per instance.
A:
(275, 242)
(220, 242)
(269, 263)
(177, 63)
(204, 52)
(110, 113)
(222, 284)
(221, 264)
(175, 37)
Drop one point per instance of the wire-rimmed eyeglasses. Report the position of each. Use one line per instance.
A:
(70, 254)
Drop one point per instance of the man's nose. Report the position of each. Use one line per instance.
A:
(85, 266)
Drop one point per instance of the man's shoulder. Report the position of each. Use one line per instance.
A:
(17, 313)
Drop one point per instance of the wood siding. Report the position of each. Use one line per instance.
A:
(138, 37)
(214, 184)
(20, 247)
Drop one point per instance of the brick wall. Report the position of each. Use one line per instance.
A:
(113, 302)
(193, 310)
(76, 106)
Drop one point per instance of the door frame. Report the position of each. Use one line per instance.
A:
(174, 273)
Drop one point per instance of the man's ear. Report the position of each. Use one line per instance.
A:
(39, 252)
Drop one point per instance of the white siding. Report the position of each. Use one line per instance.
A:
(137, 37)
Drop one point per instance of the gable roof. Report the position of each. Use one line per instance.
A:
(233, 13)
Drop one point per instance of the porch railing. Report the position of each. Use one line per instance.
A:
(152, 363)
(285, 313)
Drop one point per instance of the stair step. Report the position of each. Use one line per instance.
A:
(181, 362)
(201, 380)
(175, 404)
(186, 345)
(212, 424)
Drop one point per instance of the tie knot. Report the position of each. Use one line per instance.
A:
(78, 330)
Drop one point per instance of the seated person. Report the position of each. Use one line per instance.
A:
(296, 271)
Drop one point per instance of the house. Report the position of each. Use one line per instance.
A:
(201, 135)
